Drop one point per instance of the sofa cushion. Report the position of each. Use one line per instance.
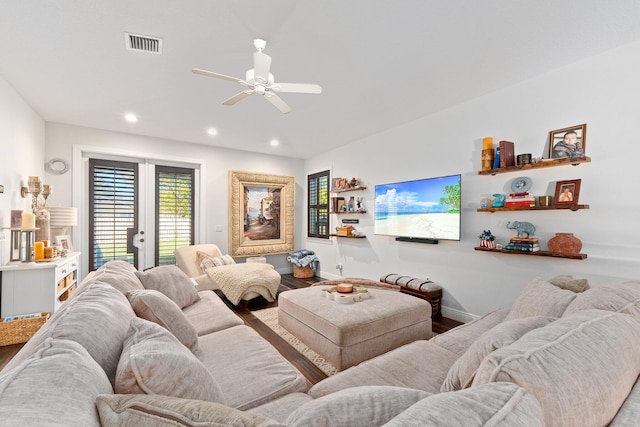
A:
(56, 385)
(154, 362)
(621, 298)
(421, 365)
(119, 274)
(464, 369)
(580, 367)
(158, 308)
(279, 409)
(495, 404)
(249, 370)
(172, 282)
(97, 318)
(629, 413)
(540, 298)
(368, 405)
(210, 314)
(158, 411)
(461, 337)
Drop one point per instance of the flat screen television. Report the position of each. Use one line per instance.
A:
(422, 209)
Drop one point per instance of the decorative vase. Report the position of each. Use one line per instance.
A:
(565, 243)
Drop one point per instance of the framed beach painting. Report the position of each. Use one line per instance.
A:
(261, 213)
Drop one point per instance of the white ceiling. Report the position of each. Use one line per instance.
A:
(381, 63)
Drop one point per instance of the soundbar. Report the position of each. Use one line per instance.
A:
(417, 240)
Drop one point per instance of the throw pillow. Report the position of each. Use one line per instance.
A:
(172, 282)
(154, 362)
(540, 298)
(356, 406)
(158, 308)
(569, 283)
(157, 411)
(464, 369)
(580, 367)
(207, 261)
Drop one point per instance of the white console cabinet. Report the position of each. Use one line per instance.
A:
(37, 286)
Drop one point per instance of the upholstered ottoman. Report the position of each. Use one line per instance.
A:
(347, 334)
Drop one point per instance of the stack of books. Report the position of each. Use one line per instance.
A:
(523, 244)
(520, 199)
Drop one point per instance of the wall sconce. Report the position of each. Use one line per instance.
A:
(39, 192)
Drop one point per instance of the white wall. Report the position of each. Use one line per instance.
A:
(22, 155)
(601, 91)
(60, 140)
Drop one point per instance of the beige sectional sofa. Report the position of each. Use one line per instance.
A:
(118, 353)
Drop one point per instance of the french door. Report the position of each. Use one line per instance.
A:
(139, 212)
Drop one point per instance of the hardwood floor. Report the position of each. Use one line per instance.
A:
(311, 372)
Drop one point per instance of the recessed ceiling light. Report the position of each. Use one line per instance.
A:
(131, 118)
(274, 142)
(212, 131)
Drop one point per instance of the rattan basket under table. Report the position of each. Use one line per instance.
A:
(20, 330)
(302, 272)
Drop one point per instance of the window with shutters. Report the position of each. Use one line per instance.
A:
(174, 212)
(318, 205)
(112, 210)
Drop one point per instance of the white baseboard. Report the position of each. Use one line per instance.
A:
(460, 316)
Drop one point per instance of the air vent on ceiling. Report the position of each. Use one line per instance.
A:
(143, 43)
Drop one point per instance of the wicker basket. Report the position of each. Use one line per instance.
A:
(20, 330)
(302, 272)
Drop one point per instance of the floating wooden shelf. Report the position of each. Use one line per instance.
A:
(541, 164)
(349, 189)
(348, 237)
(539, 253)
(349, 212)
(534, 208)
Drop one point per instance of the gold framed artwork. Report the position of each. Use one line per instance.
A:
(261, 213)
(568, 142)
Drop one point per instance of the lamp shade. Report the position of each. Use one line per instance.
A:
(63, 217)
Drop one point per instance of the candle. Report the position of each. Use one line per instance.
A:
(28, 220)
(38, 249)
(487, 142)
(46, 243)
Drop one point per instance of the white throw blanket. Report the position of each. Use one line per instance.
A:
(238, 280)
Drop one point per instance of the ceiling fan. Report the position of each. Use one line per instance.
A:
(259, 80)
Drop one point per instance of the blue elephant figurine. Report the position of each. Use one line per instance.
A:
(525, 229)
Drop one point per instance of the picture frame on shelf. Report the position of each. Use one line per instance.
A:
(570, 142)
(567, 192)
(261, 213)
(64, 241)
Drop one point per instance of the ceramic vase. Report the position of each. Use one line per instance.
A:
(565, 243)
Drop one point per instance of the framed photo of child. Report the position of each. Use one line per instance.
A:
(567, 192)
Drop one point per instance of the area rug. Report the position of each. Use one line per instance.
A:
(269, 316)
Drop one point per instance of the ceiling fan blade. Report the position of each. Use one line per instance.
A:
(278, 102)
(261, 65)
(297, 88)
(216, 75)
(237, 97)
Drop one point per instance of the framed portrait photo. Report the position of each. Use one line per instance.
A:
(567, 192)
(65, 243)
(568, 142)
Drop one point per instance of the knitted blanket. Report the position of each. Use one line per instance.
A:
(237, 280)
(303, 258)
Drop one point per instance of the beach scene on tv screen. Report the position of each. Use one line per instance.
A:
(427, 208)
